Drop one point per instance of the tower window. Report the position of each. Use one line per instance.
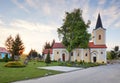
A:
(99, 37)
(86, 54)
(57, 52)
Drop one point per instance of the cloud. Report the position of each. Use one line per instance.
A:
(31, 26)
(117, 24)
(46, 16)
(21, 6)
(33, 35)
(1, 22)
(43, 6)
(101, 2)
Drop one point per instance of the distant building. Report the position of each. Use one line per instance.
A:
(3, 52)
(96, 52)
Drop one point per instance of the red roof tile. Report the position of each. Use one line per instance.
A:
(45, 51)
(2, 49)
(58, 45)
(91, 45)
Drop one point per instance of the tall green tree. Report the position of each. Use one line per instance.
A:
(9, 43)
(74, 32)
(48, 60)
(17, 47)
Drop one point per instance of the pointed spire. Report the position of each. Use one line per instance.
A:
(99, 22)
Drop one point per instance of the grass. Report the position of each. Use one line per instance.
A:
(8, 75)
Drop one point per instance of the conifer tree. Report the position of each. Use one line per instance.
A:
(48, 60)
(17, 47)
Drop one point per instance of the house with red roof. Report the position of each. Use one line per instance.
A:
(3, 52)
(96, 51)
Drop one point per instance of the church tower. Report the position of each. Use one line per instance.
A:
(99, 33)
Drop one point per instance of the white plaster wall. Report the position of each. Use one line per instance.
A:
(100, 57)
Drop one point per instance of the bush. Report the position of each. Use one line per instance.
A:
(5, 60)
(2, 60)
(14, 64)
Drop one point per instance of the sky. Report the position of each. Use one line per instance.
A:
(36, 21)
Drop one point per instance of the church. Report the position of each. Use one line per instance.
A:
(96, 52)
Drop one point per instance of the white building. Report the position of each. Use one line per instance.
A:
(96, 52)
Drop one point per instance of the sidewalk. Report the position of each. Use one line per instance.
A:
(61, 68)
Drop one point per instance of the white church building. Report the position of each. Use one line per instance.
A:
(96, 52)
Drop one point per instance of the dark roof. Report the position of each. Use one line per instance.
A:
(99, 22)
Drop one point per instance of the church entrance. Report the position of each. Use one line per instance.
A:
(63, 57)
(94, 56)
(94, 59)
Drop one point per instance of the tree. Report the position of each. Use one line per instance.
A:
(74, 31)
(115, 53)
(116, 50)
(47, 45)
(52, 43)
(33, 53)
(9, 43)
(109, 57)
(17, 47)
(48, 60)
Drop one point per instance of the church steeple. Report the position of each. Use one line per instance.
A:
(99, 22)
(99, 33)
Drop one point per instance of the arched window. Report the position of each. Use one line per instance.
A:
(99, 37)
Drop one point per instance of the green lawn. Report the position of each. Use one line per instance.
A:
(8, 75)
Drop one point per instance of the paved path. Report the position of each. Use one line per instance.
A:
(101, 74)
(61, 68)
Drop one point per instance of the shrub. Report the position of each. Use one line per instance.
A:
(14, 64)
(6, 59)
(69, 65)
(2, 60)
